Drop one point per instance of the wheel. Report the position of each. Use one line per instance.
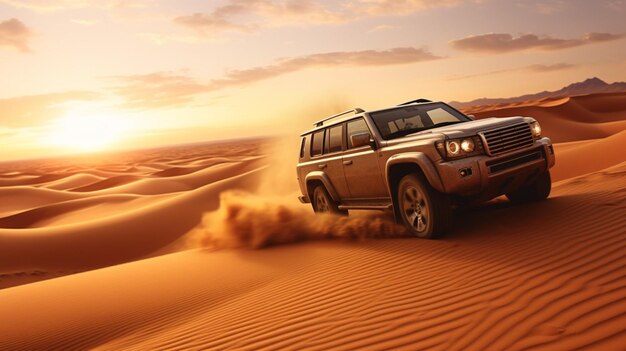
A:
(424, 211)
(323, 203)
(537, 190)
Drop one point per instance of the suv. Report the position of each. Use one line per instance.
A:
(419, 159)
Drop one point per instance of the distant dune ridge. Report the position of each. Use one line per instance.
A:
(158, 250)
(589, 86)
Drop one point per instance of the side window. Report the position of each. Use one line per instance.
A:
(317, 143)
(307, 146)
(355, 127)
(302, 142)
(326, 142)
(334, 139)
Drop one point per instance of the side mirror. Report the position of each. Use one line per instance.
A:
(361, 139)
(472, 117)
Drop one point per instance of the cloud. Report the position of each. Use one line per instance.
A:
(395, 56)
(252, 15)
(28, 111)
(162, 39)
(157, 90)
(164, 89)
(83, 22)
(543, 7)
(397, 7)
(550, 68)
(15, 34)
(536, 68)
(380, 28)
(495, 43)
(617, 5)
(57, 5)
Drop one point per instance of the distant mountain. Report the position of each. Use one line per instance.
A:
(590, 86)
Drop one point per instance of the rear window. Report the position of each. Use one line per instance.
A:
(302, 147)
(317, 143)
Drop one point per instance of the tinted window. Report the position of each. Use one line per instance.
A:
(326, 142)
(405, 120)
(334, 139)
(307, 146)
(355, 127)
(405, 123)
(302, 147)
(318, 143)
(439, 115)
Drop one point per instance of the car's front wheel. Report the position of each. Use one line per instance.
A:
(424, 211)
(538, 189)
(323, 203)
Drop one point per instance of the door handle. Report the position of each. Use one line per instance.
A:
(322, 166)
(347, 163)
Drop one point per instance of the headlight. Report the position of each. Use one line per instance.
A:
(467, 145)
(457, 148)
(536, 129)
(453, 147)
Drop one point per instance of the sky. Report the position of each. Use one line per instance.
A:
(86, 75)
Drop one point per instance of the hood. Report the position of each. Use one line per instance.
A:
(472, 127)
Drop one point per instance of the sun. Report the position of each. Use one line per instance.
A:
(84, 133)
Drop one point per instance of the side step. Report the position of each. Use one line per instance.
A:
(381, 207)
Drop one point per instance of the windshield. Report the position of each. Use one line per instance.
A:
(405, 120)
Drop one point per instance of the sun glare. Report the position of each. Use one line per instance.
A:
(85, 133)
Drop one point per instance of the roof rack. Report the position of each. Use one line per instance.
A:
(321, 122)
(414, 102)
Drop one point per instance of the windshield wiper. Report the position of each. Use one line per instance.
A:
(444, 124)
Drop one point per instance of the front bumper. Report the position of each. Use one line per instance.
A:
(304, 199)
(489, 176)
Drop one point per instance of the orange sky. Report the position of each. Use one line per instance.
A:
(85, 75)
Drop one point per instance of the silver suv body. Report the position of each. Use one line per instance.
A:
(420, 159)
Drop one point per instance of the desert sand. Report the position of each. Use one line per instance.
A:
(205, 247)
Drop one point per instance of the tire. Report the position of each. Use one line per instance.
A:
(537, 190)
(323, 203)
(423, 210)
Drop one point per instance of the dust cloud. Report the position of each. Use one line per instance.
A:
(272, 215)
(246, 220)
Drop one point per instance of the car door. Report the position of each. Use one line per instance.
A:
(326, 157)
(360, 165)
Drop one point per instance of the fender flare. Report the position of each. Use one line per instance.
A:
(422, 161)
(322, 177)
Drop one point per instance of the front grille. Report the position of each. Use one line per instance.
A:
(506, 139)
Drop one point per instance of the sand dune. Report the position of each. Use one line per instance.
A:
(568, 119)
(18, 198)
(112, 220)
(77, 210)
(160, 250)
(73, 181)
(111, 240)
(589, 156)
(508, 278)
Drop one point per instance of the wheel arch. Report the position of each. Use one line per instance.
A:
(401, 165)
(314, 179)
